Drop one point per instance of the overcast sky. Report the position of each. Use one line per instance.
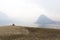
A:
(30, 10)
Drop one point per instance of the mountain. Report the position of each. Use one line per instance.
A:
(45, 20)
(4, 19)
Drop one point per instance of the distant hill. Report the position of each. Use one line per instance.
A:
(45, 20)
(4, 19)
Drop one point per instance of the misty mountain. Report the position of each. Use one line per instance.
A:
(45, 20)
(4, 19)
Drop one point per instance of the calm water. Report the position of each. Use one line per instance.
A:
(53, 26)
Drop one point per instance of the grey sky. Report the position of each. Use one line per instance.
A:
(30, 10)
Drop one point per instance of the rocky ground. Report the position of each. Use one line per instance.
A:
(26, 33)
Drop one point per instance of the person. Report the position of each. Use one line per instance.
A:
(13, 24)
